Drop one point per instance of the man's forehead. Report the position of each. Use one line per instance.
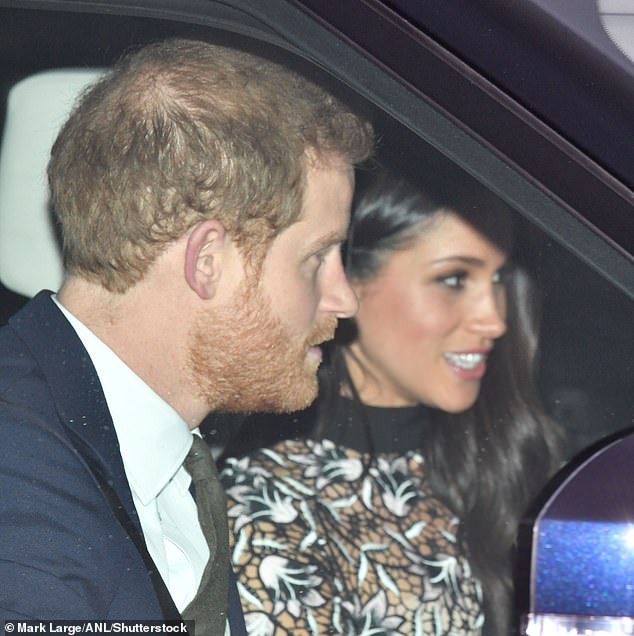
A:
(325, 215)
(315, 233)
(328, 164)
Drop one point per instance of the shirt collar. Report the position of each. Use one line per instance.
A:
(153, 438)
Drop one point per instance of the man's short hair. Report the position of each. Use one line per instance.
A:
(182, 131)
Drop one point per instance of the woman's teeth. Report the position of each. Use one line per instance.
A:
(465, 360)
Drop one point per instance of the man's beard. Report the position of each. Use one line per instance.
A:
(242, 358)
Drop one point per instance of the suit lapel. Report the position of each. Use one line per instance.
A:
(83, 411)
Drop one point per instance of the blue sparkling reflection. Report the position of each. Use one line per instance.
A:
(584, 568)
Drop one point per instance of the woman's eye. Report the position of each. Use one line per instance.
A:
(501, 276)
(454, 280)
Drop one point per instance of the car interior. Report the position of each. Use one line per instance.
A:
(586, 372)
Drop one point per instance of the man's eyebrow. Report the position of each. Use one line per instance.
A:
(332, 238)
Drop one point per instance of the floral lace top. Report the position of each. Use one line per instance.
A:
(323, 546)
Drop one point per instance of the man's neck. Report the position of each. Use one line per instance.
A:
(141, 330)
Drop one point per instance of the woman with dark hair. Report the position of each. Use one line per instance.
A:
(396, 510)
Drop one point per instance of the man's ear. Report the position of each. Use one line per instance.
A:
(206, 245)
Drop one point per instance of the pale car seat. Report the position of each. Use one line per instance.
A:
(37, 106)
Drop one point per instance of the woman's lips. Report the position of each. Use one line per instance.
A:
(468, 365)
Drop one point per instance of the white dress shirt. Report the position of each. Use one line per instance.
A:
(154, 441)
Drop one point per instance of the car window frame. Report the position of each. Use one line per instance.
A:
(582, 206)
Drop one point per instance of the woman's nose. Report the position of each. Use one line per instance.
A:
(489, 317)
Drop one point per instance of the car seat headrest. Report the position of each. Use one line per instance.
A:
(37, 107)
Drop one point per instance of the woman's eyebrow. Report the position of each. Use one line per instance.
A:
(466, 260)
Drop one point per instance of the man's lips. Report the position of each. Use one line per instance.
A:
(321, 339)
(315, 352)
(314, 349)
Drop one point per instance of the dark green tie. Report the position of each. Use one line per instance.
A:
(208, 609)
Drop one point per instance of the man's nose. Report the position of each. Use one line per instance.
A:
(338, 297)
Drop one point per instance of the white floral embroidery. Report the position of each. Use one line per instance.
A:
(320, 545)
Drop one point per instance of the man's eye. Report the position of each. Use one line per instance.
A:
(320, 257)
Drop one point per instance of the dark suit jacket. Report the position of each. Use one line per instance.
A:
(71, 545)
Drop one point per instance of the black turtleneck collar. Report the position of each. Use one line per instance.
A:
(392, 429)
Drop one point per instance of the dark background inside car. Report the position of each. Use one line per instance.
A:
(587, 352)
